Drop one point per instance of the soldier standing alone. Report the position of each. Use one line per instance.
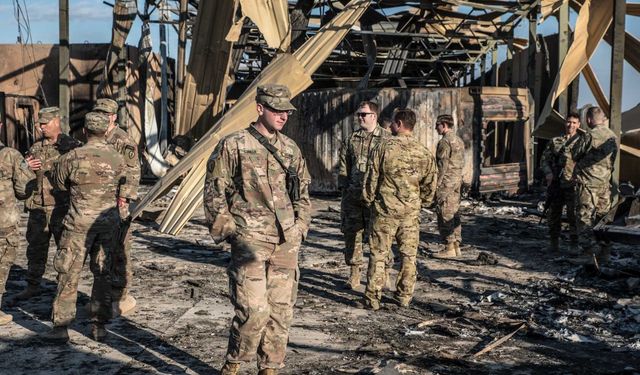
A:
(354, 159)
(92, 174)
(46, 207)
(400, 180)
(450, 159)
(15, 178)
(256, 196)
(557, 165)
(122, 272)
(594, 156)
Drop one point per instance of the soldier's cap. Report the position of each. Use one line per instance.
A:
(96, 122)
(47, 114)
(275, 96)
(106, 105)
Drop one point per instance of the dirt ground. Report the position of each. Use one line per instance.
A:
(568, 320)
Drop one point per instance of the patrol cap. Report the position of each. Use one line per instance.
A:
(96, 122)
(275, 96)
(47, 114)
(106, 105)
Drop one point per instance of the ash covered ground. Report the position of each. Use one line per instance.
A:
(566, 318)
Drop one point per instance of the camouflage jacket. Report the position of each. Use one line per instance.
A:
(246, 185)
(48, 153)
(92, 174)
(557, 158)
(401, 178)
(15, 181)
(354, 159)
(126, 146)
(594, 155)
(450, 161)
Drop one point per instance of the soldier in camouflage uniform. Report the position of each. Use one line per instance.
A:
(594, 155)
(450, 160)
(15, 179)
(399, 181)
(122, 273)
(354, 158)
(92, 174)
(557, 165)
(47, 207)
(247, 202)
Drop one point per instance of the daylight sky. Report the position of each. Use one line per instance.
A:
(90, 22)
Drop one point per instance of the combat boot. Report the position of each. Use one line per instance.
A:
(457, 247)
(403, 301)
(554, 244)
(98, 332)
(448, 253)
(268, 371)
(230, 368)
(4, 318)
(354, 277)
(58, 334)
(29, 292)
(124, 305)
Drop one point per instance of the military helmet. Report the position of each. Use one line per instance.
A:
(47, 114)
(106, 105)
(275, 96)
(96, 122)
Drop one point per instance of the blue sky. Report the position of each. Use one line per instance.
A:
(90, 22)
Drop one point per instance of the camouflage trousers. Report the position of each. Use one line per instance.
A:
(406, 232)
(355, 222)
(449, 225)
(263, 287)
(121, 268)
(9, 242)
(592, 204)
(566, 197)
(74, 248)
(44, 222)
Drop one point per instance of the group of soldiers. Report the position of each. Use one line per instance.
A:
(256, 197)
(76, 194)
(578, 167)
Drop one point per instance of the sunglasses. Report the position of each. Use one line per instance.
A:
(288, 112)
(364, 114)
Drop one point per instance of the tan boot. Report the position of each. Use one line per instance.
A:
(457, 247)
(268, 371)
(230, 368)
(4, 318)
(448, 253)
(29, 292)
(57, 335)
(124, 306)
(98, 332)
(354, 277)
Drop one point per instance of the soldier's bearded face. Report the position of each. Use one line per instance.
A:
(440, 129)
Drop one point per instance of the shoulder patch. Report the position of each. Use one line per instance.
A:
(129, 151)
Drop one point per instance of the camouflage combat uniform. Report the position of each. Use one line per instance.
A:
(400, 179)
(47, 208)
(594, 156)
(15, 177)
(354, 159)
(557, 160)
(246, 200)
(92, 175)
(122, 270)
(450, 161)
